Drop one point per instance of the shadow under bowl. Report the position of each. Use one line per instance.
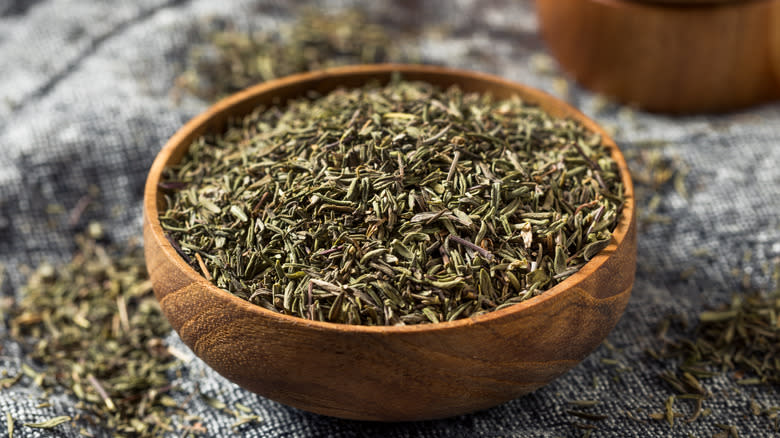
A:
(397, 373)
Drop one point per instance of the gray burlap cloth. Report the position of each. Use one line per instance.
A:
(85, 101)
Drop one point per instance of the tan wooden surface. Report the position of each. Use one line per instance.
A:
(669, 58)
(388, 373)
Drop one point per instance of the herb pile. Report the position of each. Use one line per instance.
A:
(97, 329)
(231, 60)
(396, 204)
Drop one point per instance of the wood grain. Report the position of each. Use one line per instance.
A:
(668, 57)
(388, 373)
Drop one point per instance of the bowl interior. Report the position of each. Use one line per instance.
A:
(279, 91)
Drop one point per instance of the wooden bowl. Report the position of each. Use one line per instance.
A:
(388, 373)
(677, 56)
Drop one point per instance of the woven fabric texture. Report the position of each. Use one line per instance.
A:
(85, 103)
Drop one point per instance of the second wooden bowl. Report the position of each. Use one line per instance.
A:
(676, 56)
(388, 373)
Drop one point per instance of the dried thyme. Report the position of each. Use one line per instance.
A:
(741, 338)
(400, 204)
(231, 60)
(96, 328)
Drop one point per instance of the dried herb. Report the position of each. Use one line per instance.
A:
(49, 424)
(583, 413)
(728, 431)
(397, 204)
(96, 328)
(9, 419)
(232, 60)
(655, 175)
(741, 338)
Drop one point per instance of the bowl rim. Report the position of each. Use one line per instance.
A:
(541, 98)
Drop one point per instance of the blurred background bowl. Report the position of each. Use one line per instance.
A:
(676, 56)
(388, 373)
